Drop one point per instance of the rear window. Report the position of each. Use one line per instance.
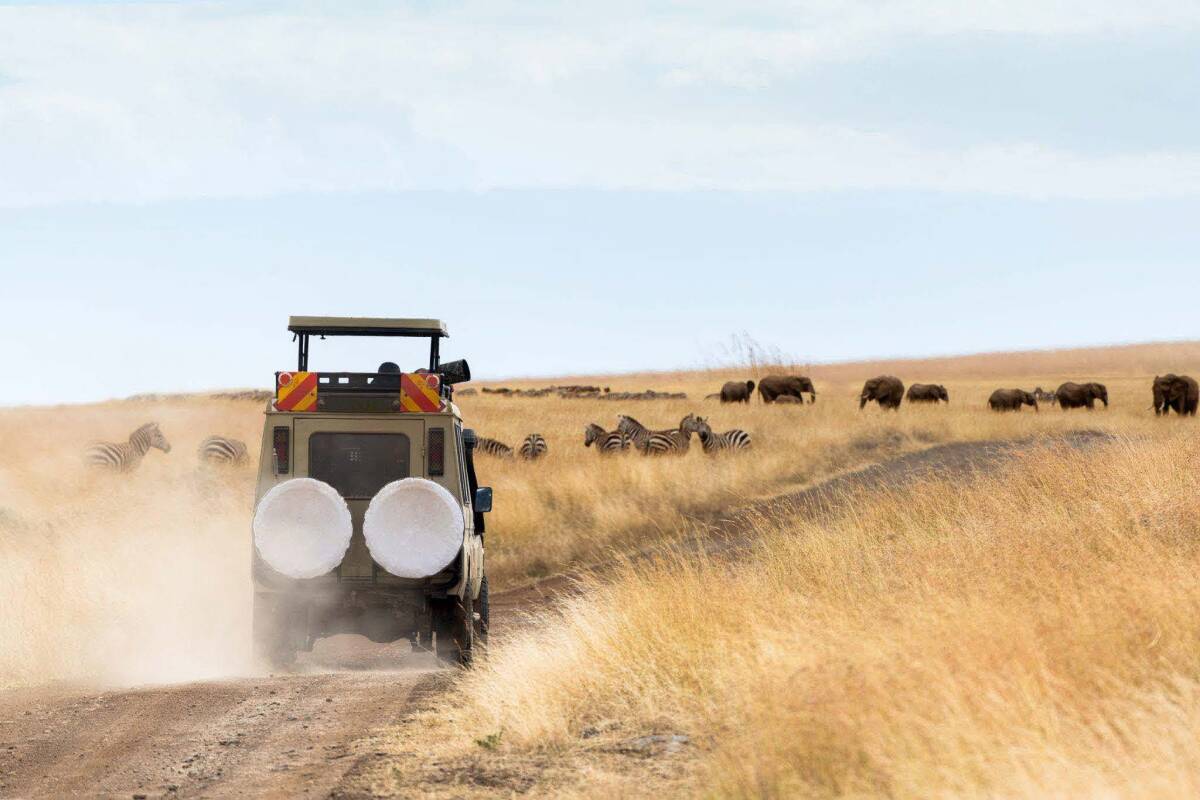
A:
(358, 464)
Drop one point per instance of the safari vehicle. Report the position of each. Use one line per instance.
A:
(368, 515)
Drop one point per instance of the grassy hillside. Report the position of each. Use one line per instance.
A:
(1026, 634)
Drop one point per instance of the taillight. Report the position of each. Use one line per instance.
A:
(437, 451)
(282, 444)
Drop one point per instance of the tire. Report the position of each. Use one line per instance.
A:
(454, 631)
(273, 632)
(482, 619)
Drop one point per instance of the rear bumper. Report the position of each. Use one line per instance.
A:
(334, 586)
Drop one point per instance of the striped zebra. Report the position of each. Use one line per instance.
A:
(222, 450)
(491, 447)
(125, 456)
(671, 440)
(637, 433)
(736, 439)
(534, 447)
(606, 442)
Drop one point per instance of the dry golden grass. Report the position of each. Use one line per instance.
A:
(577, 505)
(1032, 633)
(155, 563)
(133, 577)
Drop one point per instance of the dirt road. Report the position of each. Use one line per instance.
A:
(302, 735)
(282, 736)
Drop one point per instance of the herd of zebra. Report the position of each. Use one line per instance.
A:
(126, 456)
(629, 435)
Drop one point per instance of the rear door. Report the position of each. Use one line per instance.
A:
(358, 456)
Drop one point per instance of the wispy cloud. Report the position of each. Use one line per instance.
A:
(142, 103)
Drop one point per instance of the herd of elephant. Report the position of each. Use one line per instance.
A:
(1178, 393)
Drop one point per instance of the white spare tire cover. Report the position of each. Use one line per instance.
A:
(413, 528)
(302, 528)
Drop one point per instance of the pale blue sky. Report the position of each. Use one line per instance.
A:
(587, 187)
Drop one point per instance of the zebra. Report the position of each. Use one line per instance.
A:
(1042, 396)
(222, 450)
(534, 447)
(126, 456)
(736, 439)
(491, 447)
(637, 433)
(671, 440)
(606, 442)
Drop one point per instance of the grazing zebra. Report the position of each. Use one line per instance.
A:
(491, 447)
(534, 447)
(736, 439)
(606, 442)
(671, 440)
(125, 456)
(637, 433)
(222, 450)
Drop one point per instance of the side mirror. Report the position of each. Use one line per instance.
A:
(483, 499)
(453, 372)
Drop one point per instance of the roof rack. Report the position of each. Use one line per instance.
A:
(366, 326)
(304, 327)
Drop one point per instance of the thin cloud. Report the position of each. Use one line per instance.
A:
(148, 103)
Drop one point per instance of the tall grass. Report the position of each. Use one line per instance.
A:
(128, 578)
(1031, 633)
(90, 556)
(576, 506)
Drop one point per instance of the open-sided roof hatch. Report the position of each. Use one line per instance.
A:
(304, 327)
(366, 326)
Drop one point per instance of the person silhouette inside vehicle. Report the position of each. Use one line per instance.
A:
(388, 377)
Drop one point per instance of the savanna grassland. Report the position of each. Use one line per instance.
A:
(1028, 633)
(575, 506)
(1025, 632)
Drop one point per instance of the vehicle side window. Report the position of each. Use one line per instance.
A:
(462, 466)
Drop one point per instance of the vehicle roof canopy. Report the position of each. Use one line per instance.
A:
(366, 326)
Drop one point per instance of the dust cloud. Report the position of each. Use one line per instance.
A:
(124, 578)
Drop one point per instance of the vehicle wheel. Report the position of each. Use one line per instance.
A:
(482, 618)
(274, 642)
(455, 631)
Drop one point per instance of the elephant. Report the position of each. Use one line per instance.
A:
(784, 399)
(927, 393)
(774, 386)
(887, 390)
(1178, 393)
(1077, 395)
(1012, 400)
(737, 391)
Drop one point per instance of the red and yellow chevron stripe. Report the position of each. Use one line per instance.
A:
(296, 391)
(419, 392)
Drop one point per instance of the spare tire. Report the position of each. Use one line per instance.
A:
(302, 528)
(414, 528)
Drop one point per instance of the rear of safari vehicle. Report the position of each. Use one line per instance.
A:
(368, 518)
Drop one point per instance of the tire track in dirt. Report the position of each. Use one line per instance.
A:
(275, 736)
(307, 735)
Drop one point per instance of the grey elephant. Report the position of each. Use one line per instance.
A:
(1178, 393)
(775, 386)
(737, 391)
(887, 390)
(1079, 395)
(927, 393)
(1012, 400)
